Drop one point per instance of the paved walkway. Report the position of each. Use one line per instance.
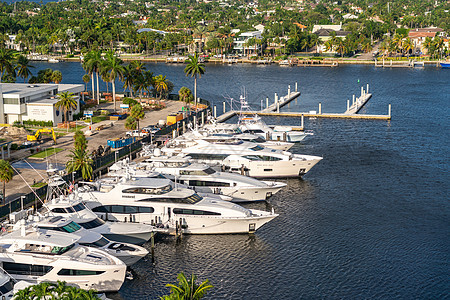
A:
(16, 187)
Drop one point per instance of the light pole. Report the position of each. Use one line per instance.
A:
(73, 177)
(21, 203)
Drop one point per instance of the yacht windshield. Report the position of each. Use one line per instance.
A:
(151, 191)
(71, 227)
(7, 287)
(194, 198)
(99, 243)
(93, 224)
(209, 171)
(61, 250)
(257, 148)
(78, 207)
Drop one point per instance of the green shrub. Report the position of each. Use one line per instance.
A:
(34, 123)
(14, 146)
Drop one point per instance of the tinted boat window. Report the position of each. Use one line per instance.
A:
(182, 211)
(71, 227)
(93, 224)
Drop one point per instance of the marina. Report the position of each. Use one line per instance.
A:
(356, 213)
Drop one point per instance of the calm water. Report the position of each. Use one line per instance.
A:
(372, 220)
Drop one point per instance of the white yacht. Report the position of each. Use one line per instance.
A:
(202, 178)
(73, 208)
(128, 253)
(6, 286)
(248, 159)
(156, 201)
(37, 256)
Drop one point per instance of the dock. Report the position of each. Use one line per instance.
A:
(352, 111)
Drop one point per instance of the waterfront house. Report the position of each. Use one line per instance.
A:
(241, 42)
(418, 36)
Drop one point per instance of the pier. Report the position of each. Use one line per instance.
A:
(352, 111)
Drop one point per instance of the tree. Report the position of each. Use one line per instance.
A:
(86, 80)
(23, 67)
(187, 289)
(114, 67)
(137, 113)
(92, 64)
(185, 95)
(57, 76)
(6, 62)
(66, 102)
(58, 290)
(130, 123)
(79, 140)
(160, 84)
(79, 160)
(6, 174)
(195, 69)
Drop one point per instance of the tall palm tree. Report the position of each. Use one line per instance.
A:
(92, 63)
(115, 69)
(79, 160)
(130, 123)
(187, 289)
(6, 174)
(137, 113)
(66, 102)
(195, 69)
(57, 76)
(129, 78)
(6, 62)
(23, 67)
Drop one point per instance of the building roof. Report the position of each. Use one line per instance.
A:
(327, 32)
(332, 27)
(25, 89)
(416, 34)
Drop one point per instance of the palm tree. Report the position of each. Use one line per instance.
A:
(195, 69)
(57, 76)
(114, 66)
(187, 289)
(23, 67)
(6, 62)
(407, 46)
(129, 78)
(130, 123)
(160, 84)
(137, 113)
(79, 160)
(66, 102)
(85, 79)
(6, 174)
(185, 95)
(92, 63)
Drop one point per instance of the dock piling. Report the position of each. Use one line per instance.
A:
(223, 106)
(267, 102)
(289, 90)
(296, 86)
(302, 121)
(389, 110)
(348, 104)
(362, 91)
(203, 118)
(320, 108)
(278, 107)
(215, 111)
(276, 98)
(152, 245)
(353, 100)
(367, 89)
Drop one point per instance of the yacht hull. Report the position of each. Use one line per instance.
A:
(136, 238)
(243, 194)
(271, 169)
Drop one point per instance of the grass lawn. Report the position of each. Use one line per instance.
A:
(97, 119)
(38, 184)
(46, 153)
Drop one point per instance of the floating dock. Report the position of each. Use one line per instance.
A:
(274, 109)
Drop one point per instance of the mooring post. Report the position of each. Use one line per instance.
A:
(152, 239)
(195, 122)
(184, 127)
(174, 133)
(362, 91)
(203, 118)
(320, 108)
(215, 112)
(267, 102)
(296, 86)
(348, 104)
(302, 121)
(278, 107)
(276, 98)
(389, 110)
(367, 90)
(353, 101)
(223, 106)
(289, 91)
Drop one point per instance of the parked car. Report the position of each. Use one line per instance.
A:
(150, 129)
(136, 133)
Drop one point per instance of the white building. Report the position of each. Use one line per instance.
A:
(23, 101)
(240, 42)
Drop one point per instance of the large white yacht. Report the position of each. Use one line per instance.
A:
(37, 256)
(248, 159)
(156, 201)
(71, 207)
(6, 286)
(128, 253)
(202, 178)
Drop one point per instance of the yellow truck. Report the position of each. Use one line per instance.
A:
(36, 136)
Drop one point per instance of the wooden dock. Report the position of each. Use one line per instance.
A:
(279, 103)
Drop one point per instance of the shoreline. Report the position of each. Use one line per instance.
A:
(325, 62)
